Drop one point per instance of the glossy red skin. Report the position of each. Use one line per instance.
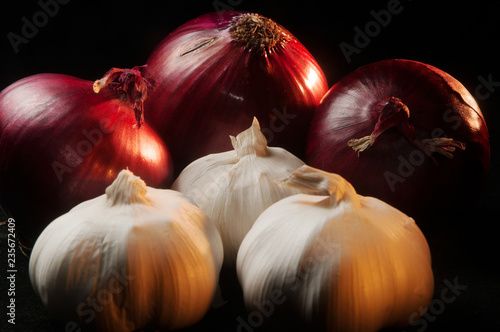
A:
(439, 106)
(205, 96)
(48, 165)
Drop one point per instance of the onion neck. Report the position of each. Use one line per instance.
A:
(131, 86)
(256, 31)
(394, 113)
(126, 189)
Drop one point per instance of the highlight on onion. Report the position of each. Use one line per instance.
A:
(405, 132)
(218, 71)
(62, 143)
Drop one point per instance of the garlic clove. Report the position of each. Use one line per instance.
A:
(144, 257)
(345, 262)
(234, 187)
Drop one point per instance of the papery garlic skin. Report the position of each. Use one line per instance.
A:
(234, 187)
(344, 261)
(135, 258)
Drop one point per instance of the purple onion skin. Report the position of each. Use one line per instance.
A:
(209, 92)
(61, 144)
(393, 169)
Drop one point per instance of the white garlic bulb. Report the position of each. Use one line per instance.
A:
(136, 257)
(344, 261)
(234, 187)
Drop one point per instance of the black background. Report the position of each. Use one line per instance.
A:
(86, 38)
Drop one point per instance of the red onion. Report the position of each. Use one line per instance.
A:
(405, 132)
(217, 72)
(61, 143)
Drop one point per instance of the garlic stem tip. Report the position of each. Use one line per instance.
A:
(127, 189)
(255, 122)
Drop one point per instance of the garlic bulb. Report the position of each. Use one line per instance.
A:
(136, 257)
(234, 187)
(344, 261)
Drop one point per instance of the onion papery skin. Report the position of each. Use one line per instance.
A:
(61, 144)
(393, 169)
(211, 86)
